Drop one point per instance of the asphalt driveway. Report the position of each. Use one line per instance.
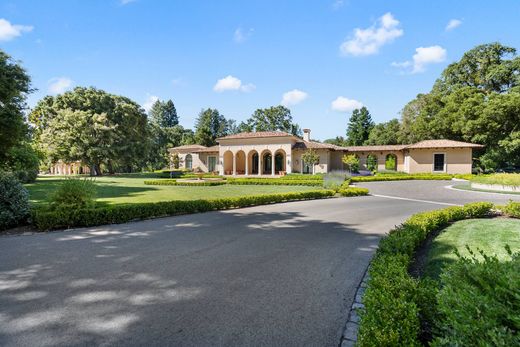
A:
(280, 274)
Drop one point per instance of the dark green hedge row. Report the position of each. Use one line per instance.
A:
(353, 191)
(396, 303)
(47, 220)
(397, 177)
(274, 181)
(174, 182)
(303, 177)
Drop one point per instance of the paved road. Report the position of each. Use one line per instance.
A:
(270, 275)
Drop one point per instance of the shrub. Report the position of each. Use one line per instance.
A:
(479, 303)
(334, 179)
(63, 218)
(353, 191)
(401, 177)
(294, 176)
(14, 201)
(23, 161)
(73, 193)
(512, 209)
(500, 179)
(351, 161)
(274, 181)
(171, 182)
(396, 303)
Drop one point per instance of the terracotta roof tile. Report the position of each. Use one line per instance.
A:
(314, 145)
(374, 148)
(257, 134)
(186, 148)
(211, 149)
(443, 144)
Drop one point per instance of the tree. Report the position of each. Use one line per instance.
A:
(359, 127)
(384, 133)
(210, 125)
(311, 158)
(92, 126)
(351, 161)
(476, 99)
(164, 114)
(274, 118)
(14, 87)
(338, 141)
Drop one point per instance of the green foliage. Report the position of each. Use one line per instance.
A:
(384, 133)
(73, 193)
(351, 161)
(396, 303)
(512, 209)
(479, 303)
(175, 160)
(372, 162)
(92, 126)
(14, 87)
(401, 177)
(504, 179)
(14, 201)
(274, 181)
(359, 126)
(338, 141)
(391, 162)
(353, 191)
(23, 161)
(210, 125)
(63, 218)
(163, 114)
(310, 157)
(274, 118)
(172, 182)
(296, 176)
(335, 179)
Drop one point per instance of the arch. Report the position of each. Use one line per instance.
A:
(267, 162)
(391, 162)
(228, 163)
(253, 162)
(240, 166)
(188, 162)
(279, 161)
(372, 162)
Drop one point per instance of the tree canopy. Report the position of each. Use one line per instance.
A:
(359, 126)
(274, 118)
(210, 125)
(384, 133)
(163, 114)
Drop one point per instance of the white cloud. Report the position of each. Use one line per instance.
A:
(59, 85)
(242, 35)
(452, 24)
(368, 41)
(232, 83)
(149, 102)
(343, 104)
(293, 97)
(423, 56)
(9, 31)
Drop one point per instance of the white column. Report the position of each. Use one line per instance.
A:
(247, 164)
(234, 164)
(220, 165)
(272, 164)
(288, 164)
(260, 164)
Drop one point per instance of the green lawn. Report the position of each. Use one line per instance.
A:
(128, 189)
(507, 179)
(489, 235)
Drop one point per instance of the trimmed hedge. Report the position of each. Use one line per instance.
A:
(173, 182)
(397, 177)
(317, 177)
(353, 191)
(512, 209)
(66, 218)
(274, 181)
(396, 303)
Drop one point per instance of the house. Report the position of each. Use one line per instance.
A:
(275, 152)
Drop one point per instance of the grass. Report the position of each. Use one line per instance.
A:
(501, 179)
(489, 235)
(128, 189)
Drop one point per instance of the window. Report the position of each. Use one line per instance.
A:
(188, 162)
(439, 162)
(212, 164)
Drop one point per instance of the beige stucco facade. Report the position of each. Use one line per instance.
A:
(277, 153)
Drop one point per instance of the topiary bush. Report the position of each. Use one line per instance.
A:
(73, 193)
(353, 191)
(14, 201)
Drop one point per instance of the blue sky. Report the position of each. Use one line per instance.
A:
(326, 57)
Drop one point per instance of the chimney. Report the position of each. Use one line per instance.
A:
(307, 135)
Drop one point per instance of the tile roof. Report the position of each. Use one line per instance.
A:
(257, 134)
(211, 149)
(186, 148)
(374, 148)
(314, 145)
(443, 144)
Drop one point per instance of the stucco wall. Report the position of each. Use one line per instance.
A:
(458, 160)
(321, 167)
(381, 159)
(198, 160)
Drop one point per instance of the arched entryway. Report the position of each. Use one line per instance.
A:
(253, 162)
(279, 161)
(267, 163)
(391, 162)
(372, 162)
(188, 162)
(228, 163)
(240, 158)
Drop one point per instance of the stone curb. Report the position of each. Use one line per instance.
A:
(349, 337)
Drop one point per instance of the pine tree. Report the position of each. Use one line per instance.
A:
(359, 126)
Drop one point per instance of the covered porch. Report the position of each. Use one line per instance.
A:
(255, 162)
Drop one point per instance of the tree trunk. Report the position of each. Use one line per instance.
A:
(110, 167)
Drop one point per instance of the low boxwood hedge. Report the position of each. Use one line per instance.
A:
(275, 181)
(353, 191)
(173, 182)
(512, 209)
(396, 303)
(398, 177)
(65, 218)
